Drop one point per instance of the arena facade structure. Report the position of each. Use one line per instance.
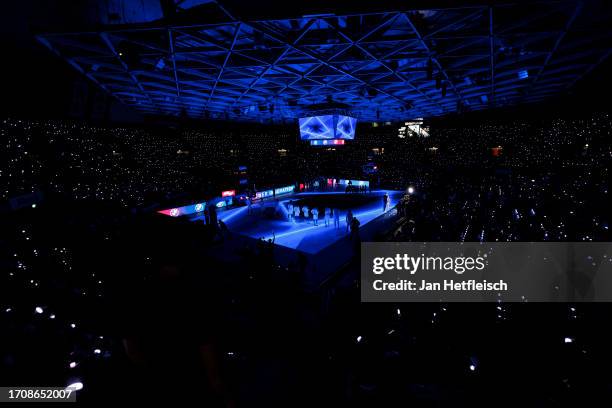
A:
(386, 66)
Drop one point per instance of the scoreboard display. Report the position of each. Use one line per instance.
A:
(327, 127)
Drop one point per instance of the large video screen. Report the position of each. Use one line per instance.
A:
(413, 128)
(324, 127)
(317, 127)
(345, 127)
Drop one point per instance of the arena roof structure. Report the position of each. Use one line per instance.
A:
(385, 66)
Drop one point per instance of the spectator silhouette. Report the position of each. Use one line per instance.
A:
(168, 328)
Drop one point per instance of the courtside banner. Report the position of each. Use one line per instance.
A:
(486, 272)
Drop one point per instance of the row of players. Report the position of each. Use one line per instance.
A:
(294, 211)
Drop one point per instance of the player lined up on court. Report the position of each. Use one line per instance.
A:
(290, 211)
(294, 211)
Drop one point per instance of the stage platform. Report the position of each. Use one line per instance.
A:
(325, 249)
(269, 219)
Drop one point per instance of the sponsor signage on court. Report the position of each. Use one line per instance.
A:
(284, 190)
(185, 210)
(276, 191)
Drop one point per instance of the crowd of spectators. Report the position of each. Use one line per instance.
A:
(92, 294)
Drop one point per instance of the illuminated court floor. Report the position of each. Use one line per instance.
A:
(303, 234)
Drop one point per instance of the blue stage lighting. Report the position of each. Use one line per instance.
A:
(251, 87)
